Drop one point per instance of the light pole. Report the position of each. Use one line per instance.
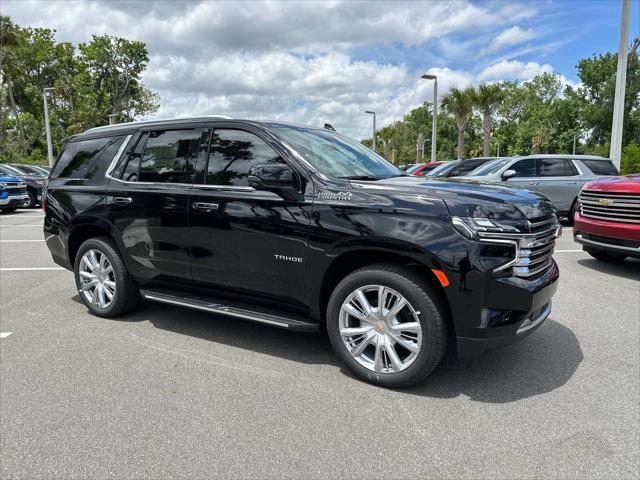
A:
(45, 93)
(621, 78)
(373, 139)
(111, 118)
(434, 127)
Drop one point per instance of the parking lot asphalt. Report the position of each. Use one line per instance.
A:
(169, 392)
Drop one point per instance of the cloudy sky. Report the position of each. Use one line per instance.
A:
(315, 62)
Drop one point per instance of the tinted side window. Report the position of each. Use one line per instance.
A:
(233, 153)
(87, 159)
(601, 167)
(524, 168)
(170, 156)
(557, 167)
(465, 167)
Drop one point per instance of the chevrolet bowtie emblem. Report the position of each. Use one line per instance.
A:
(605, 201)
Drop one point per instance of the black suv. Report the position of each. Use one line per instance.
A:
(301, 228)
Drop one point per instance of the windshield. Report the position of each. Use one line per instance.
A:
(489, 168)
(442, 170)
(9, 170)
(335, 155)
(26, 170)
(413, 168)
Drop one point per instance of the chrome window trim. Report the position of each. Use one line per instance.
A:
(116, 158)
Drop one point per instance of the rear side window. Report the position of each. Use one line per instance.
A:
(87, 159)
(464, 167)
(601, 167)
(233, 153)
(557, 167)
(170, 156)
(524, 168)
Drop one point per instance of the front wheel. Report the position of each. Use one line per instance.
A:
(386, 324)
(104, 283)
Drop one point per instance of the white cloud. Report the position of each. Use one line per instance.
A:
(290, 61)
(509, 37)
(513, 70)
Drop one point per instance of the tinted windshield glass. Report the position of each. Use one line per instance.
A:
(27, 169)
(413, 169)
(490, 168)
(335, 155)
(9, 170)
(444, 169)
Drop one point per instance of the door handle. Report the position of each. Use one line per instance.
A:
(205, 207)
(122, 201)
(534, 183)
(572, 183)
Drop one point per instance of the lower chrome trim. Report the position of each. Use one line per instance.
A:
(537, 321)
(588, 243)
(12, 198)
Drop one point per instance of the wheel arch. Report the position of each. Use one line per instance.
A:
(85, 229)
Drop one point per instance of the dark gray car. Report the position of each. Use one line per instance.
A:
(558, 177)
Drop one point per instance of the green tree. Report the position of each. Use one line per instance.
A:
(459, 103)
(487, 99)
(630, 160)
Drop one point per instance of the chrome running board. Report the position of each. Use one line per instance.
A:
(214, 306)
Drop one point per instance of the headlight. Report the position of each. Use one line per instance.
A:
(470, 227)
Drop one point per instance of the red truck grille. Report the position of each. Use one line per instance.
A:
(610, 206)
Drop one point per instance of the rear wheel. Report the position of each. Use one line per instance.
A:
(572, 211)
(607, 256)
(8, 210)
(104, 283)
(386, 324)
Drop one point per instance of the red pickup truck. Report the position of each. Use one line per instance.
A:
(607, 222)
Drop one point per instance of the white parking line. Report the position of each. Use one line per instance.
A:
(12, 269)
(19, 241)
(5, 334)
(28, 225)
(566, 251)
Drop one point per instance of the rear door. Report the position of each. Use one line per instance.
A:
(526, 174)
(148, 199)
(558, 181)
(242, 239)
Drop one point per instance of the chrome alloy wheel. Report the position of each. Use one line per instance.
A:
(380, 329)
(97, 278)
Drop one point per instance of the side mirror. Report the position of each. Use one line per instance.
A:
(507, 174)
(270, 176)
(276, 178)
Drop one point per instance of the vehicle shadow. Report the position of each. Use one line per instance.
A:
(542, 362)
(538, 364)
(630, 268)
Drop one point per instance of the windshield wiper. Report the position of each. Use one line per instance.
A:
(361, 177)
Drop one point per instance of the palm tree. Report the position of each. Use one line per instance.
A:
(487, 99)
(460, 104)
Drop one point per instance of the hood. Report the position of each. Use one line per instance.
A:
(626, 184)
(474, 199)
(6, 178)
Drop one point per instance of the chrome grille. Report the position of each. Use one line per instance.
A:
(15, 188)
(610, 206)
(532, 249)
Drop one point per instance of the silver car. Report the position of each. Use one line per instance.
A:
(558, 177)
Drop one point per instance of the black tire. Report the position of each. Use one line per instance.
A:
(572, 212)
(424, 300)
(609, 257)
(33, 200)
(126, 296)
(8, 210)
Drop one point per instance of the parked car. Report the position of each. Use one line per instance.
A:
(300, 228)
(459, 168)
(558, 177)
(406, 166)
(13, 193)
(422, 169)
(33, 182)
(30, 169)
(607, 221)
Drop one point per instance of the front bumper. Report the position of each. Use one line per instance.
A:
(615, 237)
(510, 310)
(14, 201)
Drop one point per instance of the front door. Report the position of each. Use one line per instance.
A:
(148, 200)
(242, 239)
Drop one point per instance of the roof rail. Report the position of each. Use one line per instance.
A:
(156, 120)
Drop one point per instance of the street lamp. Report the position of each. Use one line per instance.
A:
(621, 79)
(434, 127)
(111, 118)
(45, 93)
(373, 140)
